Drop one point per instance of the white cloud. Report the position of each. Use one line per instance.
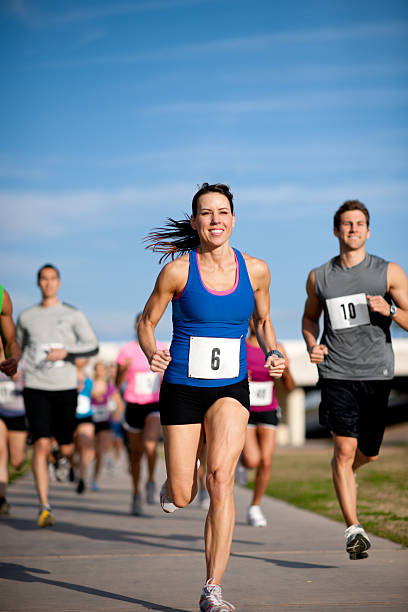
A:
(58, 214)
(254, 43)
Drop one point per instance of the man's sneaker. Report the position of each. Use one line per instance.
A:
(4, 506)
(136, 505)
(80, 488)
(357, 542)
(211, 599)
(256, 517)
(61, 469)
(151, 492)
(165, 501)
(94, 486)
(45, 518)
(204, 499)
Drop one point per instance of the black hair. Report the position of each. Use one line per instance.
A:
(47, 265)
(178, 237)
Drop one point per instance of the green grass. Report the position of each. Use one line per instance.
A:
(302, 477)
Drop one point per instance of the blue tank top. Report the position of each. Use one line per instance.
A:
(201, 313)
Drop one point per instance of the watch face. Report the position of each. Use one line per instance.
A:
(393, 310)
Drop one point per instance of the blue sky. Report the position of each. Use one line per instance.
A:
(113, 112)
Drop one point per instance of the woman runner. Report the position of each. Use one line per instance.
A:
(214, 290)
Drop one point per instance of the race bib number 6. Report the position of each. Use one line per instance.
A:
(348, 311)
(214, 358)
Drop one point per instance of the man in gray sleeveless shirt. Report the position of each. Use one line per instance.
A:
(359, 295)
(52, 335)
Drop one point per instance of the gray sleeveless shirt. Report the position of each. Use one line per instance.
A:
(358, 340)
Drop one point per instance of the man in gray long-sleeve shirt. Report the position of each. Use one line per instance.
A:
(52, 335)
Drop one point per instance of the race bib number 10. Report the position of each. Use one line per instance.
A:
(214, 358)
(348, 311)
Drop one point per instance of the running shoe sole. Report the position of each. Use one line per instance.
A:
(45, 519)
(357, 545)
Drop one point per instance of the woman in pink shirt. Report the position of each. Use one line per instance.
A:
(263, 421)
(142, 417)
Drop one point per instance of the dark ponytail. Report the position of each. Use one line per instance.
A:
(178, 237)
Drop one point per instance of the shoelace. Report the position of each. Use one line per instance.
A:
(213, 594)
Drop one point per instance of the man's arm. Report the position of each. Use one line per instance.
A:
(310, 322)
(87, 342)
(397, 286)
(11, 348)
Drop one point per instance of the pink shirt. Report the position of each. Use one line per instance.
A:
(259, 374)
(143, 385)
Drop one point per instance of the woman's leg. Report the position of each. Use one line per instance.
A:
(266, 439)
(17, 444)
(225, 426)
(85, 441)
(151, 433)
(3, 459)
(135, 445)
(181, 448)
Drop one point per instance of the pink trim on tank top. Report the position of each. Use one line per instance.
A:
(221, 293)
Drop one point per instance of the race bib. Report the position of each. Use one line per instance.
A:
(41, 356)
(214, 358)
(83, 406)
(7, 389)
(146, 383)
(348, 311)
(100, 413)
(260, 393)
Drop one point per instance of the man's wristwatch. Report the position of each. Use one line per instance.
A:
(274, 352)
(393, 310)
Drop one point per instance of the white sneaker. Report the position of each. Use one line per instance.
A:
(211, 599)
(151, 492)
(165, 501)
(357, 542)
(256, 517)
(136, 505)
(204, 499)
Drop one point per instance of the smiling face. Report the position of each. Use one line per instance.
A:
(214, 220)
(352, 231)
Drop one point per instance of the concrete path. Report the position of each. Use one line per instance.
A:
(99, 558)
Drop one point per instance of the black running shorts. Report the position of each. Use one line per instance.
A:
(51, 413)
(14, 423)
(136, 414)
(265, 418)
(185, 404)
(356, 409)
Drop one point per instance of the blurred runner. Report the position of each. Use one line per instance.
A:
(102, 395)
(52, 335)
(142, 417)
(263, 420)
(85, 430)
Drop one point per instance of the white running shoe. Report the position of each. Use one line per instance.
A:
(357, 542)
(211, 599)
(256, 517)
(204, 499)
(151, 492)
(136, 505)
(165, 501)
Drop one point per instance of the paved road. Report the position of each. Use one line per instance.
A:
(99, 558)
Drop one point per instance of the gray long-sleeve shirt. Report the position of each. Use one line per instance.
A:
(39, 329)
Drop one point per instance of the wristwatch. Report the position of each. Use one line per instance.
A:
(274, 352)
(393, 310)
